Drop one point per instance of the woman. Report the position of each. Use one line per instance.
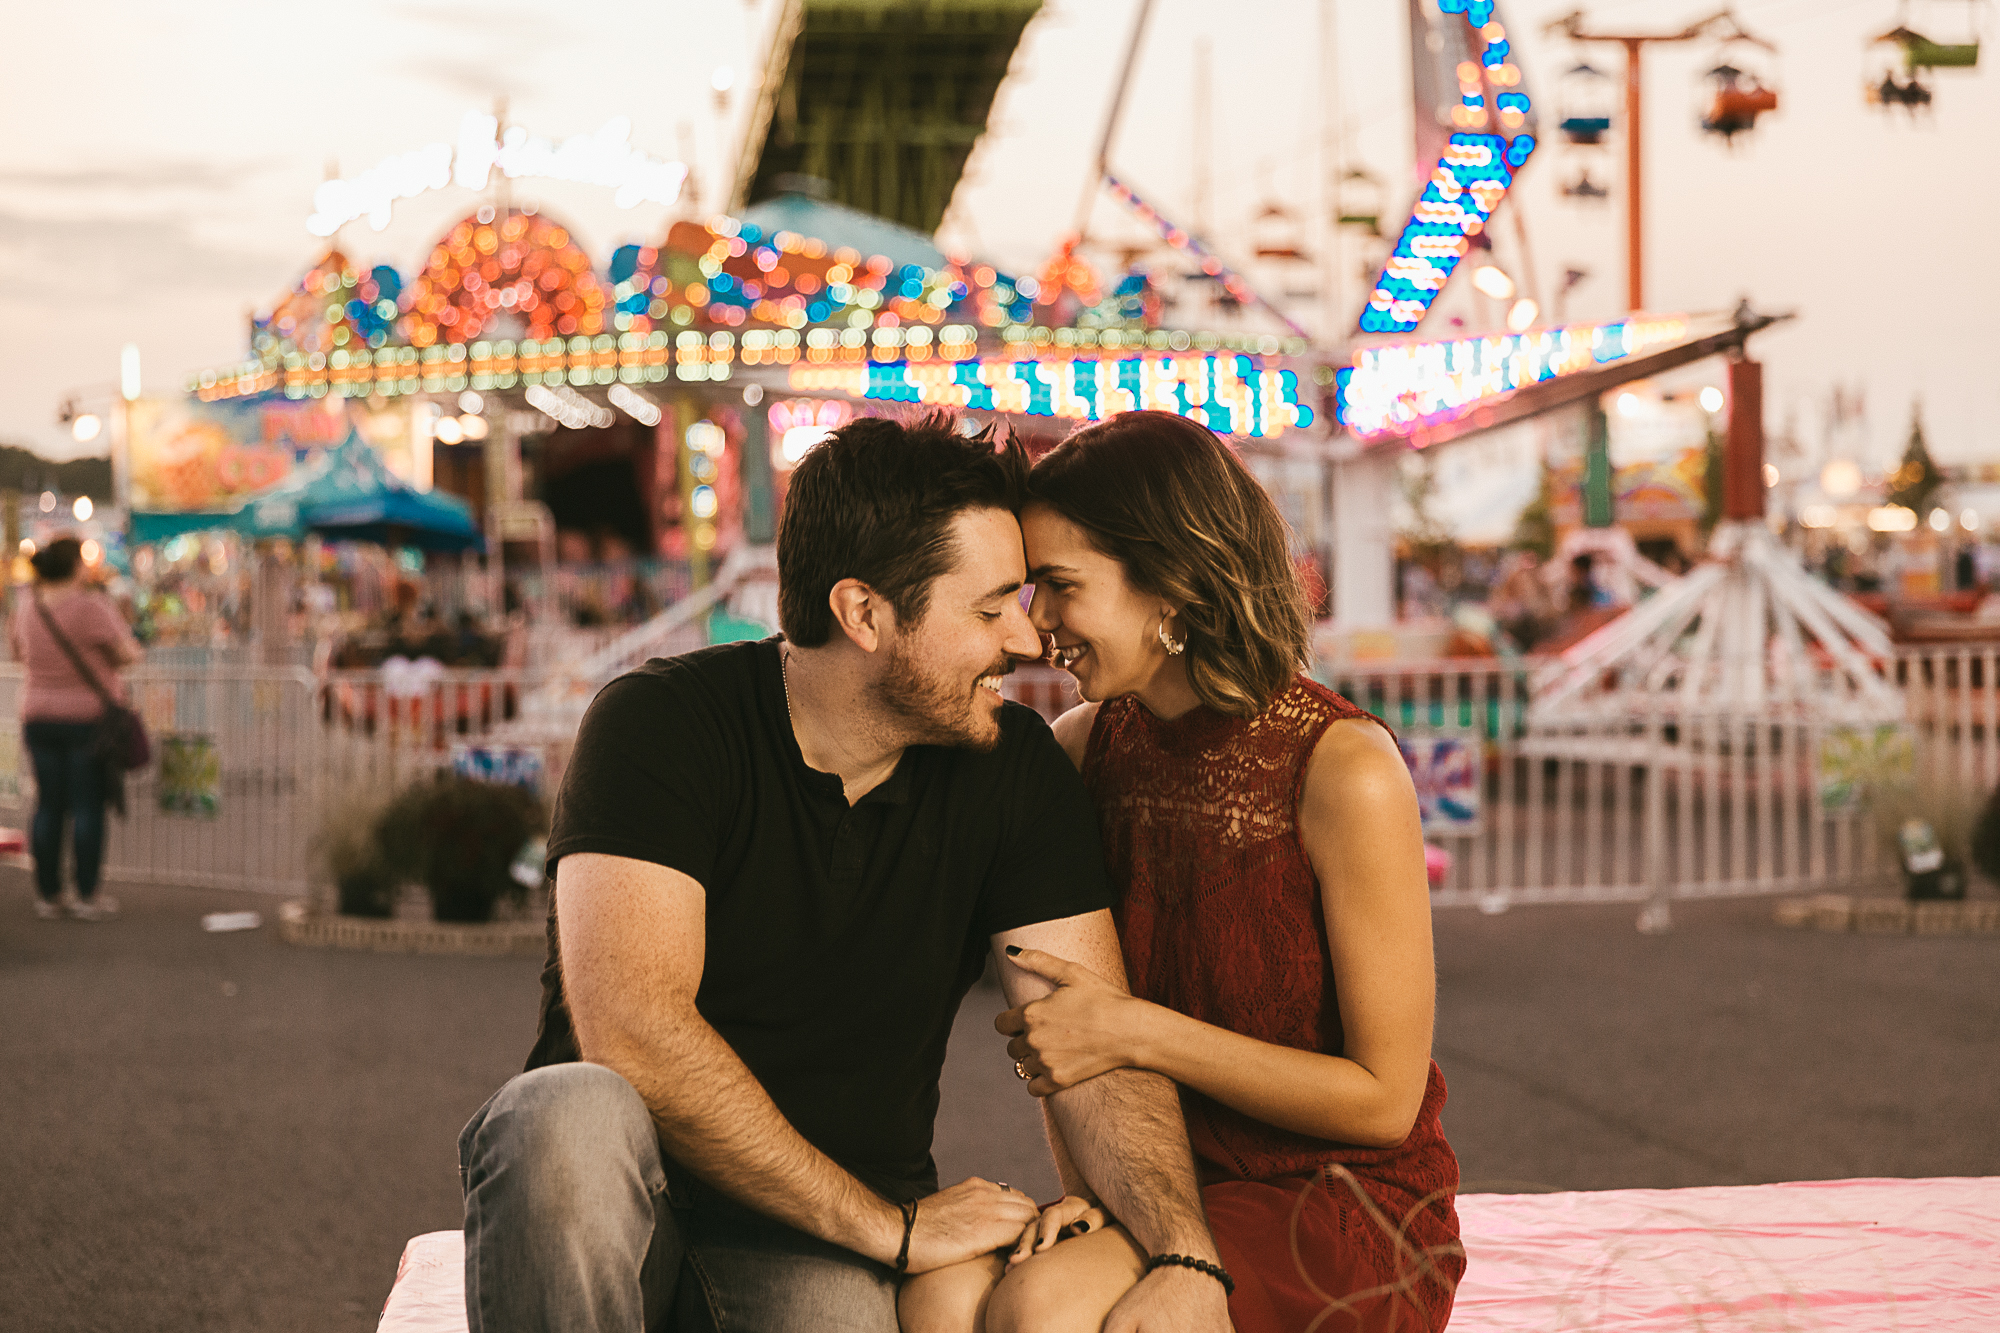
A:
(59, 713)
(1263, 839)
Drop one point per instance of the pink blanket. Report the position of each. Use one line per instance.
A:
(1834, 1256)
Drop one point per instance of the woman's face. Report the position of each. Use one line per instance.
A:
(1105, 631)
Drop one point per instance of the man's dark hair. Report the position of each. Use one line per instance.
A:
(875, 502)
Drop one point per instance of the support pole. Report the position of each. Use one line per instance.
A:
(1599, 508)
(1657, 917)
(760, 510)
(1743, 448)
(1364, 541)
(1635, 198)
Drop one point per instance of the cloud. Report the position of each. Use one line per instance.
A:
(141, 176)
(480, 81)
(58, 260)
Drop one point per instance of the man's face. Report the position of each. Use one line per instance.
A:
(941, 678)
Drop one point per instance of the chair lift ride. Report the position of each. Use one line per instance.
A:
(1919, 56)
(1737, 94)
(1586, 98)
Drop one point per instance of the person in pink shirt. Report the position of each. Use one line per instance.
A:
(59, 713)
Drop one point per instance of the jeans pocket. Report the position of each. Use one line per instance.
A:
(677, 1183)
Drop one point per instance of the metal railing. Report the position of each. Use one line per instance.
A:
(231, 796)
(1665, 808)
(251, 758)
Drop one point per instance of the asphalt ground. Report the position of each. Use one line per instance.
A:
(222, 1132)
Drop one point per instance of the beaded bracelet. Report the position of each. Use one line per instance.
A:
(909, 1211)
(1216, 1271)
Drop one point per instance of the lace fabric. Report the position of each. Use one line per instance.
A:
(1221, 919)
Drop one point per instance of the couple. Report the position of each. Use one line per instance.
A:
(780, 866)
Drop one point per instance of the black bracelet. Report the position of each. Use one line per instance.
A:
(1216, 1271)
(909, 1211)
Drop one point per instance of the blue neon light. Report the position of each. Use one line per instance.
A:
(1465, 186)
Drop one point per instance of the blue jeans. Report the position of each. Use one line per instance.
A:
(576, 1220)
(69, 785)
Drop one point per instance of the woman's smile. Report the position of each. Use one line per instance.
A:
(1066, 656)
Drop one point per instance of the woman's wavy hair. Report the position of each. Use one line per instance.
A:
(1170, 501)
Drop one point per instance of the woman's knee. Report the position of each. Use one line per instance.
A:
(1068, 1289)
(949, 1300)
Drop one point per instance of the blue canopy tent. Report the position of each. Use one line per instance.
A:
(353, 496)
(348, 494)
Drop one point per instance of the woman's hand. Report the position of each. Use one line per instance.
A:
(1067, 1217)
(1083, 1028)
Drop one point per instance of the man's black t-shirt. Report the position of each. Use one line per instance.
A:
(840, 940)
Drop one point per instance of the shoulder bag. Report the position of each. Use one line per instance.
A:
(122, 742)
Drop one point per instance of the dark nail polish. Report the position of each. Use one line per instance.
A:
(1082, 1225)
(1013, 951)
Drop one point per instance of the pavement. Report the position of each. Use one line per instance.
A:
(223, 1132)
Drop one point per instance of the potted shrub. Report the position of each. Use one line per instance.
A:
(364, 881)
(459, 837)
(1932, 828)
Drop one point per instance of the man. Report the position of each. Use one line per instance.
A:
(778, 869)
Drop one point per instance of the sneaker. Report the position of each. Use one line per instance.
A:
(97, 907)
(46, 909)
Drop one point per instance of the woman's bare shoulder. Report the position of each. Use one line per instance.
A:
(1357, 765)
(1072, 731)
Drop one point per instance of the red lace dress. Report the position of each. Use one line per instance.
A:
(1220, 916)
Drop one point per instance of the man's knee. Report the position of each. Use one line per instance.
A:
(564, 1130)
(815, 1291)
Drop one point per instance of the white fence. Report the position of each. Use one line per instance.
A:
(239, 756)
(251, 758)
(1666, 810)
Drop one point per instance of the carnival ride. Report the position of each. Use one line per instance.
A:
(1917, 57)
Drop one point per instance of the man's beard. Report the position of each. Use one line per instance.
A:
(932, 710)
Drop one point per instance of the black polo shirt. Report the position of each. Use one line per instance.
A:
(840, 940)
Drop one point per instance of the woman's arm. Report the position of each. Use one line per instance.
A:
(1358, 820)
(117, 643)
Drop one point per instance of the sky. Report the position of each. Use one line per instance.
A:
(163, 161)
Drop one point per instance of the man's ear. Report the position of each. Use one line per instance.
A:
(860, 613)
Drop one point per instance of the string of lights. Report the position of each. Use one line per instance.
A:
(1231, 394)
(1401, 389)
(1467, 184)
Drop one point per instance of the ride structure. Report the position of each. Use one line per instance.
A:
(1917, 57)
(1738, 96)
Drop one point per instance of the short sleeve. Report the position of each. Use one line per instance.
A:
(645, 778)
(107, 626)
(1050, 863)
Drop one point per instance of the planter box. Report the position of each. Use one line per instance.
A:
(1888, 916)
(299, 924)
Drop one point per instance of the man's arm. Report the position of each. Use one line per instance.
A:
(633, 950)
(1124, 1132)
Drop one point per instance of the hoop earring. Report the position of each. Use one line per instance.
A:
(1175, 647)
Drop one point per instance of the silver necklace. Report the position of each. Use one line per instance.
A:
(785, 676)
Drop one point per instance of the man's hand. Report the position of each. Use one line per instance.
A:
(1081, 1029)
(972, 1218)
(1171, 1300)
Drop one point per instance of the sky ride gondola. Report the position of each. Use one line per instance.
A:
(1737, 93)
(1916, 57)
(1360, 201)
(1587, 96)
